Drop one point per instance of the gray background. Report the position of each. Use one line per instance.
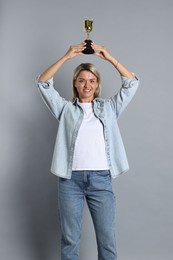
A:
(36, 33)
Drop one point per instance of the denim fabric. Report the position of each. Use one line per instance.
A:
(96, 188)
(70, 116)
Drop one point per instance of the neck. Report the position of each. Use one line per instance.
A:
(81, 100)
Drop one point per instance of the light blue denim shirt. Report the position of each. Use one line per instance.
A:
(70, 116)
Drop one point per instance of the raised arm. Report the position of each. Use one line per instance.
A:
(72, 52)
(103, 53)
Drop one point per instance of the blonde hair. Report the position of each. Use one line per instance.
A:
(89, 67)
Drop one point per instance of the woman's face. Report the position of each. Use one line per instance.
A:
(86, 84)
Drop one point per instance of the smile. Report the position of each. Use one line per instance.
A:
(87, 90)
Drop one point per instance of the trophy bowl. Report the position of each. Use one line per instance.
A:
(88, 26)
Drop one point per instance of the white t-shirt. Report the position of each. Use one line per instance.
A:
(89, 152)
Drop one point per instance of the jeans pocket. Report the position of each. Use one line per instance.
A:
(101, 180)
(104, 173)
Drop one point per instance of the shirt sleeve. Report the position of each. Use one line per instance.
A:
(51, 97)
(120, 101)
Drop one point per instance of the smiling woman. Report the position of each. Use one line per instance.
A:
(86, 83)
(89, 151)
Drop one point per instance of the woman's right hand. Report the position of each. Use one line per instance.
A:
(75, 50)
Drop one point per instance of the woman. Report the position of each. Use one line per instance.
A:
(89, 151)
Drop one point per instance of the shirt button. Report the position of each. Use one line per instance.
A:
(46, 84)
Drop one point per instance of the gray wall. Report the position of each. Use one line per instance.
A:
(33, 35)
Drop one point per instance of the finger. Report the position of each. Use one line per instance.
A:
(78, 46)
(81, 44)
(98, 48)
(78, 49)
(96, 45)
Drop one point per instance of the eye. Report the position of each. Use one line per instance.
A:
(81, 80)
(92, 81)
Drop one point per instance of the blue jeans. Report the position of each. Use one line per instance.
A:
(96, 188)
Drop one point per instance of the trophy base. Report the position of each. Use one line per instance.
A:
(88, 49)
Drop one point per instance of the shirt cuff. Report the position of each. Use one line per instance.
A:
(45, 84)
(127, 82)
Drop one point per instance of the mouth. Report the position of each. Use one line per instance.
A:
(86, 90)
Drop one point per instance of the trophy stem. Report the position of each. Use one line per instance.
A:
(87, 36)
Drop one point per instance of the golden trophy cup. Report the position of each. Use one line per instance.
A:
(88, 26)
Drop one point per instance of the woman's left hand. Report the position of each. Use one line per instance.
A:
(101, 51)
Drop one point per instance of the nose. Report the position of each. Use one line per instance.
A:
(86, 84)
